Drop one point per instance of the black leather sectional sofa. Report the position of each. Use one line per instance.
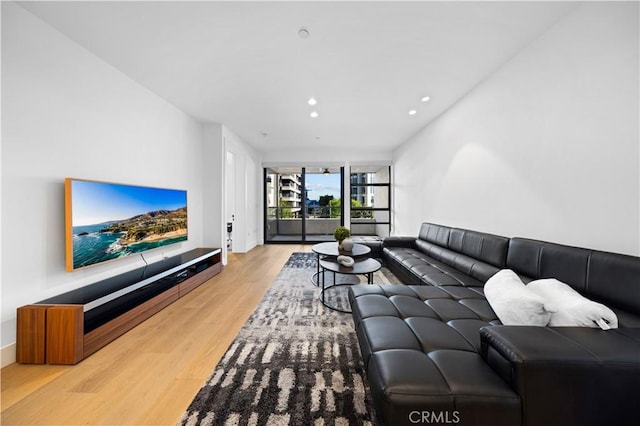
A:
(436, 353)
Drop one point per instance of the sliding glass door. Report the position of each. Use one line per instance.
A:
(302, 204)
(284, 204)
(324, 194)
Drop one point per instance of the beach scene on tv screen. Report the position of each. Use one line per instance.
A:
(110, 220)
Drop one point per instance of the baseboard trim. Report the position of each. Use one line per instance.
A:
(7, 355)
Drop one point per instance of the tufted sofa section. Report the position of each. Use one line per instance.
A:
(436, 347)
(421, 347)
(443, 256)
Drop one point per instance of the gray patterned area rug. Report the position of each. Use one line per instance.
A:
(294, 362)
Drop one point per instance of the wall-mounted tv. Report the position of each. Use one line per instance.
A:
(106, 221)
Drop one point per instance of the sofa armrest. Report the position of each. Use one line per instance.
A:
(408, 242)
(568, 375)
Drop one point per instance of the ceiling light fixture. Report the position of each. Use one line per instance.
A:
(303, 33)
(326, 172)
(412, 112)
(312, 101)
(425, 98)
(314, 114)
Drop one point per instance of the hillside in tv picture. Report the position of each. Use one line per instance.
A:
(106, 221)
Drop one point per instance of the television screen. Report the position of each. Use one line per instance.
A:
(106, 221)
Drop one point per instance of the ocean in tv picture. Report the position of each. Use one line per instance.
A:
(95, 247)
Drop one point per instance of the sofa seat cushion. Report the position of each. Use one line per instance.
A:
(455, 386)
(419, 318)
(429, 271)
(401, 254)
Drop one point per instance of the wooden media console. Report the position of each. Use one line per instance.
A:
(69, 327)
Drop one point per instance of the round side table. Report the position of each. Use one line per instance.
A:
(361, 267)
(330, 250)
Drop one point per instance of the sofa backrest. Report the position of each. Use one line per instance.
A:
(473, 253)
(489, 248)
(610, 278)
(613, 279)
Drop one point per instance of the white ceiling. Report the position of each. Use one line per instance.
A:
(367, 63)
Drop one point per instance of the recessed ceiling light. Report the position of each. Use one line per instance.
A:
(312, 101)
(412, 112)
(425, 98)
(303, 33)
(314, 114)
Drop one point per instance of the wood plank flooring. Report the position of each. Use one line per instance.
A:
(149, 375)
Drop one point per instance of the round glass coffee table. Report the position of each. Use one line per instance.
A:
(361, 267)
(330, 250)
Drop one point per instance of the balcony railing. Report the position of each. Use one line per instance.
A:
(310, 212)
(291, 199)
(291, 188)
(324, 212)
(294, 178)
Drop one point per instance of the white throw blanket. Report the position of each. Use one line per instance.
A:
(571, 308)
(513, 302)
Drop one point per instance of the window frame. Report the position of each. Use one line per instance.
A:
(370, 209)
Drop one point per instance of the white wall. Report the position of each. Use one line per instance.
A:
(546, 148)
(66, 113)
(247, 228)
(213, 187)
(242, 184)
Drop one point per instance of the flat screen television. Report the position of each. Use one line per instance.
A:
(106, 221)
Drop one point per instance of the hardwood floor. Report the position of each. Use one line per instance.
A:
(149, 375)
